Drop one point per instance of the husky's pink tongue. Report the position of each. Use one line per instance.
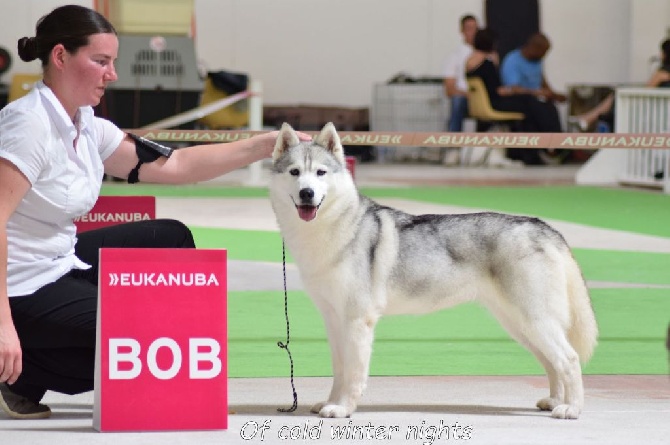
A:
(307, 213)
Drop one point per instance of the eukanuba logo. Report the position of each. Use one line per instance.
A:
(186, 279)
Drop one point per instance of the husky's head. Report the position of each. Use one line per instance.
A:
(305, 171)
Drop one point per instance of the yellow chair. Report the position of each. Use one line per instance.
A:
(21, 85)
(479, 105)
(480, 109)
(234, 116)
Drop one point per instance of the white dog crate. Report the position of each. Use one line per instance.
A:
(644, 110)
(410, 107)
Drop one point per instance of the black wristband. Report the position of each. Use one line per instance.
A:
(147, 151)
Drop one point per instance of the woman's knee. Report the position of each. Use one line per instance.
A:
(177, 232)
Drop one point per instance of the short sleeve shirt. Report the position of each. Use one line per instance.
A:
(517, 70)
(38, 137)
(454, 68)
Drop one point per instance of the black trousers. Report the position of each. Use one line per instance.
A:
(540, 116)
(56, 325)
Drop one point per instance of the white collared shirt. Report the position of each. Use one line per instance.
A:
(454, 67)
(37, 136)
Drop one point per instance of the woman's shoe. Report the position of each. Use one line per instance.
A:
(18, 407)
(579, 122)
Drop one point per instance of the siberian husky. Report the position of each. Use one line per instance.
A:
(359, 260)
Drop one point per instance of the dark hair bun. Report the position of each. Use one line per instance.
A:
(27, 49)
(665, 46)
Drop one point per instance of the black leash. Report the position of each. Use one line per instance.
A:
(288, 338)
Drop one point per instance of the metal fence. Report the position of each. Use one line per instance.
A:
(410, 107)
(644, 110)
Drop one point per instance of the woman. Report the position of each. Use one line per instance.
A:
(661, 78)
(540, 115)
(53, 154)
(605, 109)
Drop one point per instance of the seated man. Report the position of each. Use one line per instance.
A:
(522, 69)
(522, 72)
(455, 85)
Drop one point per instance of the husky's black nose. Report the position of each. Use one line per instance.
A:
(306, 195)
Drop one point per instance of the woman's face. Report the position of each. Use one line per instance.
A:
(91, 69)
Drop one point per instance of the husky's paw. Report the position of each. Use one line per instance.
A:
(565, 412)
(548, 403)
(316, 408)
(336, 411)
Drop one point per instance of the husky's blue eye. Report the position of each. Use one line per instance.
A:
(294, 172)
(320, 172)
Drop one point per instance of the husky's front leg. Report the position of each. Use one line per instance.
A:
(354, 344)
(333, 326)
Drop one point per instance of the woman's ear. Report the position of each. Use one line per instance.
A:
(58, 55)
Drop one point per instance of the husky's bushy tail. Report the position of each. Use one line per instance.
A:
(583, 331)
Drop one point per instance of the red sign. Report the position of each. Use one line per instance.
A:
(351, 165)
(110, 210)
(161, 352)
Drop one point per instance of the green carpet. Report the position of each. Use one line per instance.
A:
(622, 209)
(464, 340)
(624, 267)
(251, 245)
(597, 265)
(632, 210)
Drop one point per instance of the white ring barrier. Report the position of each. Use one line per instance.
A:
(574, 141)
(198, 112)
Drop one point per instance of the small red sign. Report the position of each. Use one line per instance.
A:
(161, 353)
(110, 210)
(351, 165)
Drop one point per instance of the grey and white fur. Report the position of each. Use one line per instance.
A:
(359, 260)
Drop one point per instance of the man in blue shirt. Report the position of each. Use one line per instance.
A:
(521, 70)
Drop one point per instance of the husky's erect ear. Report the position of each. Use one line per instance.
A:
(287, 138)
(329, 140)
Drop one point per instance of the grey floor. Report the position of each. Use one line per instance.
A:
(494, 410)
(498, 410)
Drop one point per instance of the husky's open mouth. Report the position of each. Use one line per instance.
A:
(307, 212)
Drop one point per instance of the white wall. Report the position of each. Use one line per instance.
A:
(327, 51)
(650, 21)
(331, 52)
(590, 41)
(18, 19)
